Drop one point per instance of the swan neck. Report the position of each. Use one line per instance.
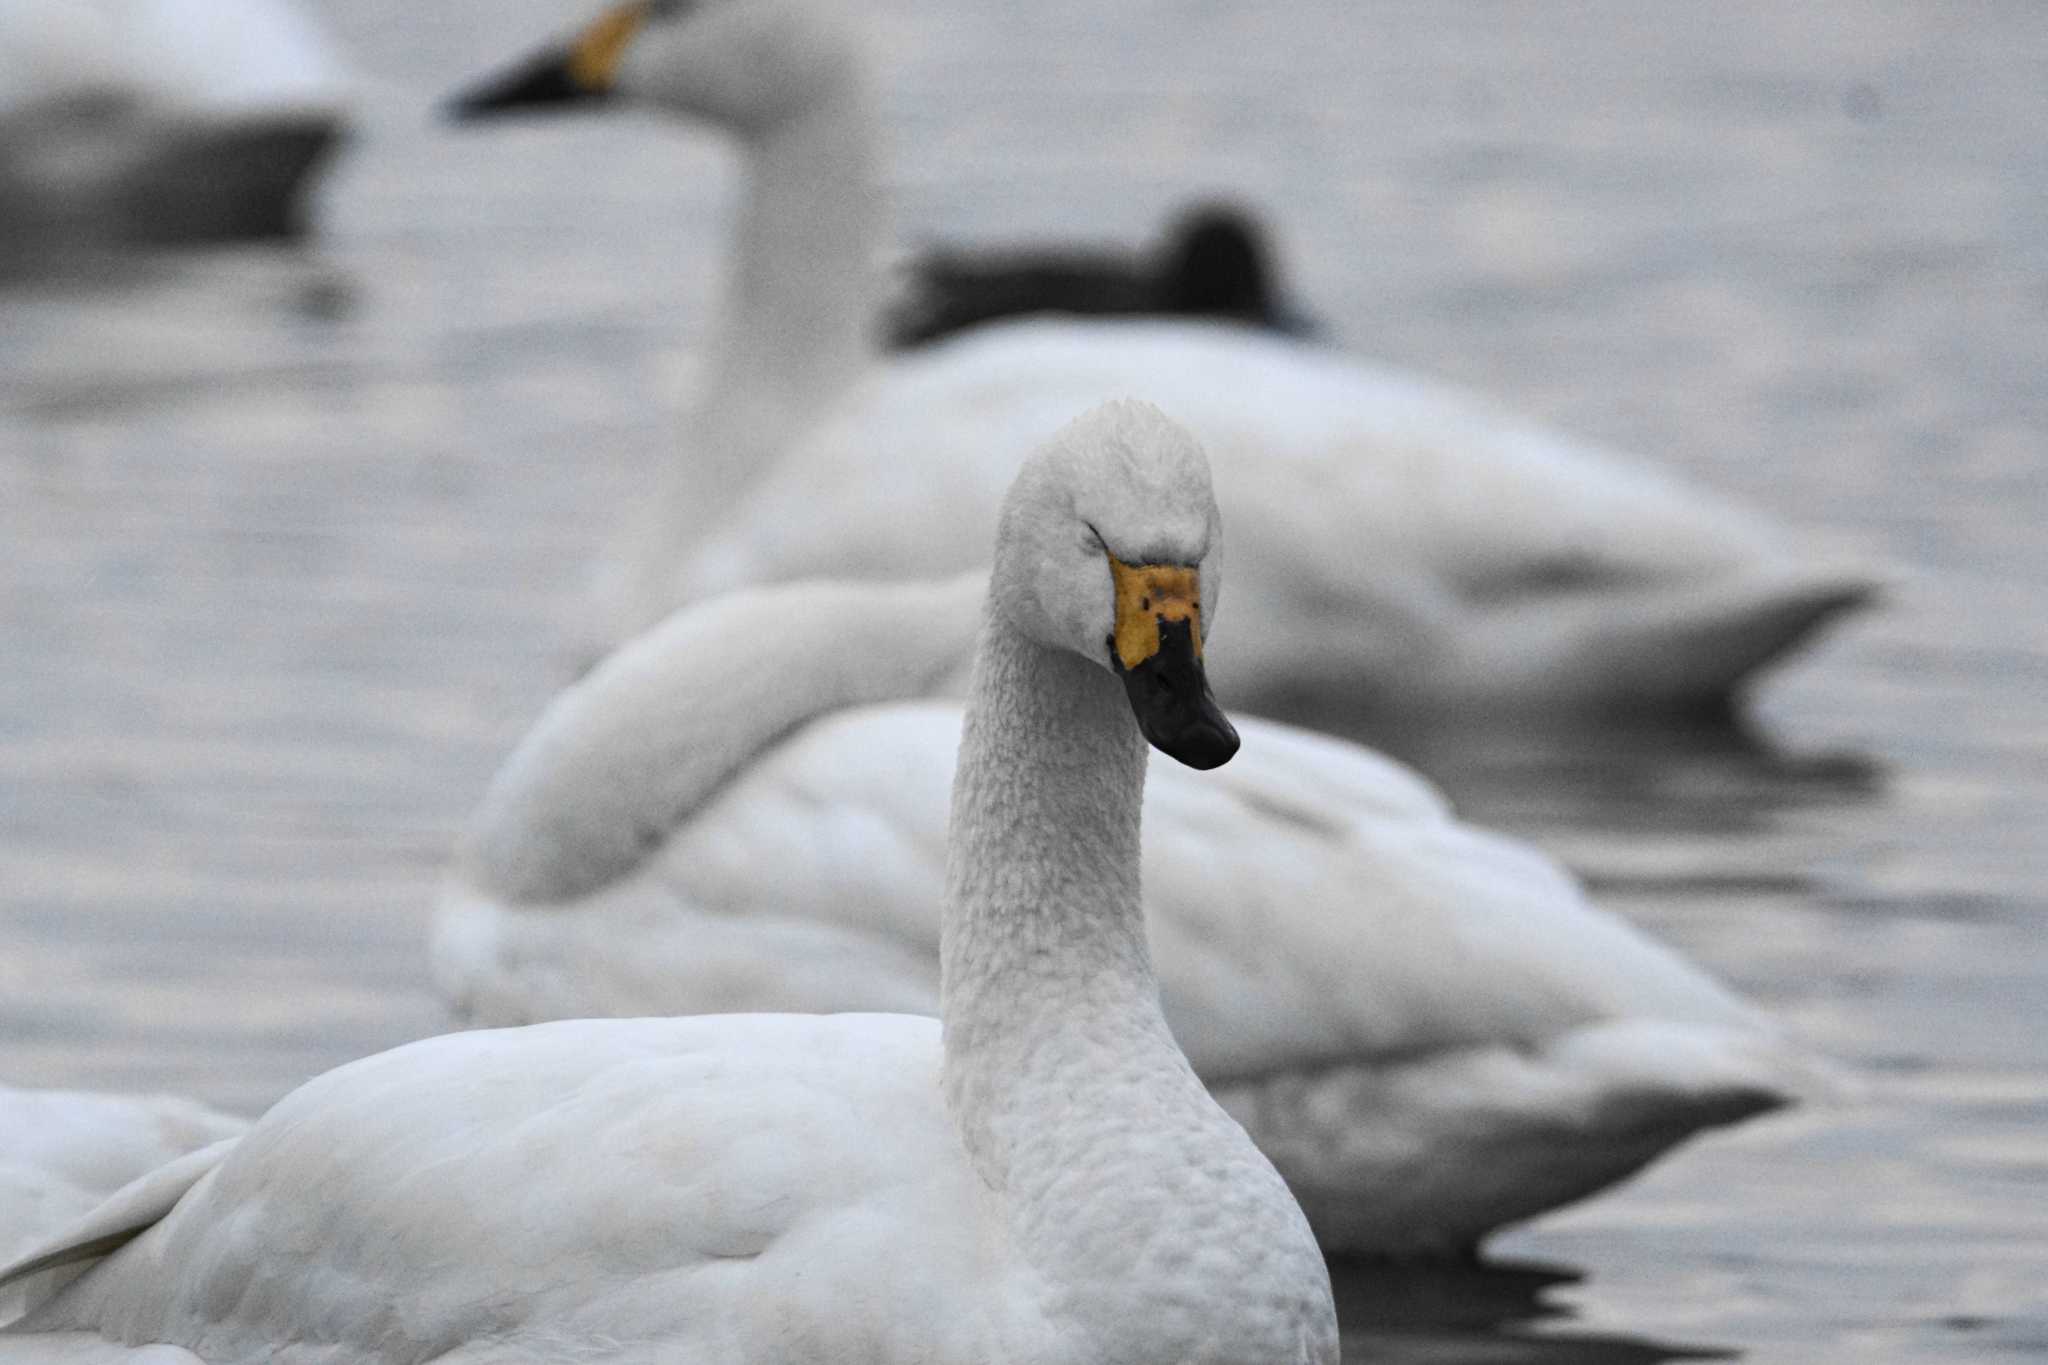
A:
(1043, 952)
(802, 295)
(1146, 1211)
(643, 742)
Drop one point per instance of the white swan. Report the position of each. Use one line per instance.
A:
(1042, 1179)
(161, 119)
(1399, 541)
(1425, 1025)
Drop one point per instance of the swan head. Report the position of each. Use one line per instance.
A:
(1108, 546)
(747, 65)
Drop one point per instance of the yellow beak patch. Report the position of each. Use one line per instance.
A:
(594, 60)
(1147, 594)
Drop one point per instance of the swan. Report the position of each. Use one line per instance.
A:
(1402, 543)
(162, 120)
(1214, 262)
(1425, 1025)
(1038, 1176)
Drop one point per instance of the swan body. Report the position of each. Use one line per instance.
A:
(1402, 543)
(1409, 545)
(1036, 1177)
(1424, 1024)
(162, 119)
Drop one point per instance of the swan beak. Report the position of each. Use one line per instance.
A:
(1157, 651)
(578, 72)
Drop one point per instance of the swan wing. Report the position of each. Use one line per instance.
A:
(692, 828)
(45, 1266)
(1322, 444)
(1394, 534)
(1316, 903)
(1310, 902)
(63, 1151)
(212, 58)
(706, 1184)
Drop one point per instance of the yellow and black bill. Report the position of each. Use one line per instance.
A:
(1156, 648)
(572, 73)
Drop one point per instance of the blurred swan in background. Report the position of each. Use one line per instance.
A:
(1425, 1025)
(1214, 262)
(161, 120)
(1400, 543)
(1045, 1182)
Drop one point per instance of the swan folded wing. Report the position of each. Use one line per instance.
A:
(45, 1266)
(1293, 933)
(174, 57)
(476, 1185)
(844, 824)
(1420, 518)
(254, 56)
(63, 1151)
(1352, 457)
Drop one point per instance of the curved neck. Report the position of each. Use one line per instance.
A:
(1143, 1211)
(803, 286)
(661, 725)
(1054, 1038)
(794, 326)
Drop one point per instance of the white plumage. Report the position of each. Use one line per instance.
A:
(1046, 1182)
(161, 119)
(63, 1151)
(1424, 1024)
(1396, 541)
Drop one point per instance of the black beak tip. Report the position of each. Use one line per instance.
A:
(1169, 696)
(1203, 745)
(467, 107)
(541, 83)
(1207, 741)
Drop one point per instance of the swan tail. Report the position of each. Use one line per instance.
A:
(35, 1277)
(1685, 646)
(1424, 1158)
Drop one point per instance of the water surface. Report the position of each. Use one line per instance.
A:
(294, 537)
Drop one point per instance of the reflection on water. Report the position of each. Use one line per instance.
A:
(1692, 810)
(1473, 1314)
(293, 539)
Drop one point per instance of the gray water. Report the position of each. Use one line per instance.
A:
(293, 538)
